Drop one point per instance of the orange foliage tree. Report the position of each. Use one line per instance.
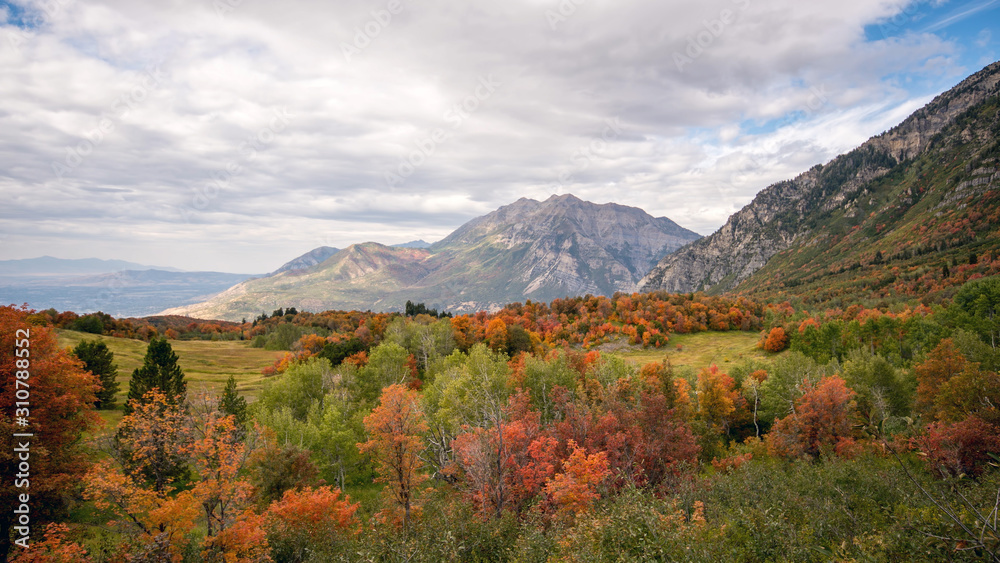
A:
(394, 428)
(57, 398)
(718, 397)
(822, 419)
(496, 335)
(309, 517)
(776, 340)
(54, 548)
(219, 456)
(154, 440)
(575, 489)
(943, 363)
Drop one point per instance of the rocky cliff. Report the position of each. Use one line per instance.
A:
(788, 211)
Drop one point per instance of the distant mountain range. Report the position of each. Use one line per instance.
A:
(413, 244)
(559, 247)
(127, 293)
(881, 221)
(49, 266)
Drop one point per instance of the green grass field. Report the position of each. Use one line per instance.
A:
(206, 364)
(702, 349)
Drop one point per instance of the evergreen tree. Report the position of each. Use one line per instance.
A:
(159, 369)
(231, 403)
(98, 360)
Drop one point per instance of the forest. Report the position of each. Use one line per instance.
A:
(534, 433)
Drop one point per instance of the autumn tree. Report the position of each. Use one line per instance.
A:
(138, 486)
(219, 456)
(718, 398)
(572, 491)
(394, 428)
(776, 340)
(154, 440)
(822, 419)
(496, 335)
(53, 548)
(953, 449)
(503, 468)
(98, 360)
(309, 522)
(159, 370)
(944, 362)
(34, 368)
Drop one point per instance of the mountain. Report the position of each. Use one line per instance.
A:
(544, 250)
(414, 244)
(307, 260)
(526, 250)
(896, 193)
(128, 293)
(49, 266)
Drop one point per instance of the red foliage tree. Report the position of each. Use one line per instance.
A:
(502, 470)
(822, 419)
(958, 448)
(57, 398)
(54, 548)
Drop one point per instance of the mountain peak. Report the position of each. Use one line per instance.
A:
(565, 197)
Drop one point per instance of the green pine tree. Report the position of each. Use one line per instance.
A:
(159, 369)
(231, 403)
(98, 360)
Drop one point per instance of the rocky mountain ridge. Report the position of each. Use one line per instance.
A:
(786, 212)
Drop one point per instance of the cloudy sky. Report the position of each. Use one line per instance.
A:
(233, 135)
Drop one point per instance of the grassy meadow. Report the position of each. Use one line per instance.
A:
(206, 364)
(701, 349)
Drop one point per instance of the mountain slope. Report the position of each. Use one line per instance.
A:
(790, 213)
(525, 250)
(307, 260)
(918, 232)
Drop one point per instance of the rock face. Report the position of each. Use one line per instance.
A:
(526, 250)
(781, 214)
(564, 246)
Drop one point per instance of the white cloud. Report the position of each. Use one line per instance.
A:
(146, 184)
